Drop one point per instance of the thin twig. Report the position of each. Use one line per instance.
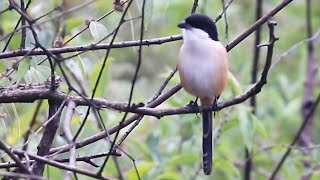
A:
(102, 68)
(68, 135)
(60, 165)
(194, 7)
(132, 84)
(23, 23)
(156, 41)
(226, 6)
(225, 19)
(48, 136)
(296, 138)
(254, 78)
(13, 157)
(21, 176)
(86, 159)
(32, 123)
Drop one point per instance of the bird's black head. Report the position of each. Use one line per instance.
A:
(202, 22)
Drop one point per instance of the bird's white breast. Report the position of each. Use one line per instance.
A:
(200, 62)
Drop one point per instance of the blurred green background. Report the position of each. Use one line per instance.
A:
(170, 148)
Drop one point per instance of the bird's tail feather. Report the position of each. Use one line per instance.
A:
(207, 141)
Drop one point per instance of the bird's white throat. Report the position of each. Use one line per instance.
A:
(194, 34)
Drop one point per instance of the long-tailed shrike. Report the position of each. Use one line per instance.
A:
(203, 71)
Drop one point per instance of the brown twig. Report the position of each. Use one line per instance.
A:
(305, 139)
(13, 157)
(32, 123)
(156, 41)
(258, 23)
(86, 159)
(60, 165)
(23, 23)
(69, 137)
(172, 91)
(15, 29)
(103, 67)
(296, 138)
(147, 42)
(254, 78)
(226, 6)
(13, 175)
(47, 137)
(194, 7)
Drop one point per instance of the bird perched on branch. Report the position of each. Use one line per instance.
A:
(203, 71)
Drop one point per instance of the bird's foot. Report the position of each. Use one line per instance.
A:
(193, 104)
(215, 106)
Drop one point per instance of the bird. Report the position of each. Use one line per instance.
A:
(203, 71)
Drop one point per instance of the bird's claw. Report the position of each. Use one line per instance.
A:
(193, 104)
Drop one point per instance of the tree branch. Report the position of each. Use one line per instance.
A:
(148, 42)
(48, 136)
(296, 138)
(13, 157)
(59, 165)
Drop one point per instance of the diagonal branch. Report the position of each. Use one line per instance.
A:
(47, 137)
(13, 157)
(148, 42)
(296, 138)
(59, 165)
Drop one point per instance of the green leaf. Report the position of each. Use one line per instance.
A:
(246, 126)
(98, 31)
(315, 175)
(186, 130)
(259, 127)
(143, 149)
(181, 159)
(73, 23)
(105, 78)
(152, 141)
(83, 71)
(233, 122)
(226, 166)
(5, 81)
(44, 72)
(21, 123)
(17, 119)
(142, 169)
(233, 84)
(37, 74)
(23, 69)
(170, 175)
(53, 173)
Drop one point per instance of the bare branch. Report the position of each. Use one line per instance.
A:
(13, 157)
(254, 78)
(60, 165)
(48, 136)
(103, 67)
(156, 41)
(69, 137)
(296, 138)
(21, 176)
(258, 23)
(194, 7)
(147, 42)
(86, 159)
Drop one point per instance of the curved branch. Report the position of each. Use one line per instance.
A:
(147, 42)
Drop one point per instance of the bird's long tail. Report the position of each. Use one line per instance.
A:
(207, 140)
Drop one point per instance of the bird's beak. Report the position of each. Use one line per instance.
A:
(183, 25)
